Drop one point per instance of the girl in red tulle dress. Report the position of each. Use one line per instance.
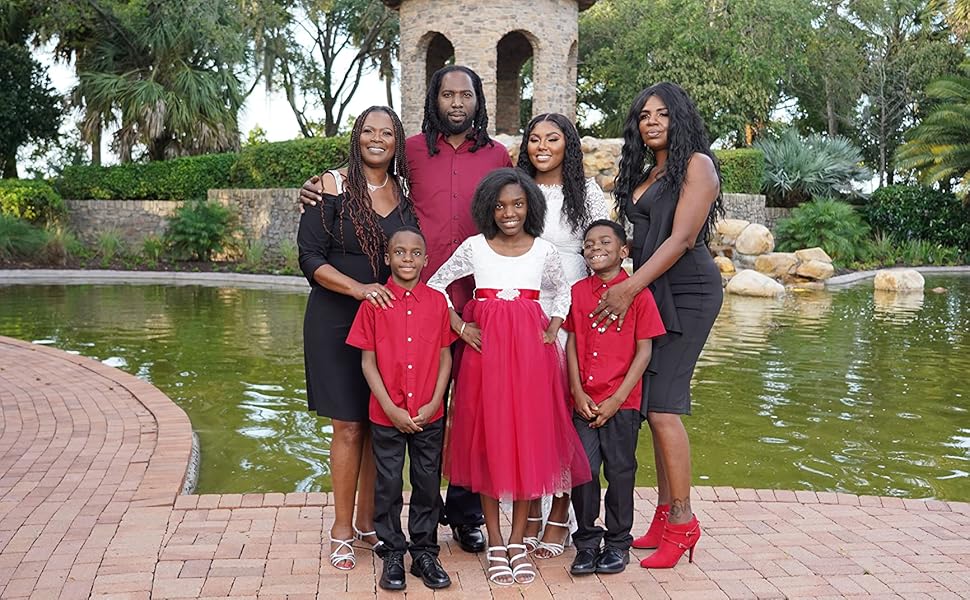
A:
(511, 435)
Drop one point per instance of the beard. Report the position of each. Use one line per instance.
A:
(452, 128)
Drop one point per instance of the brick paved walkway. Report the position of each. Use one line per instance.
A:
(92, 459)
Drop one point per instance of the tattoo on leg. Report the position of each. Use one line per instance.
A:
(679, 508)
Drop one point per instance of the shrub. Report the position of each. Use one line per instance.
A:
(109, 245)
(19, 239)
(831, 224)
(187, 178)
(798, 168)
(287, 164)
(742, 170)
(30, 199)
(200, 229)
(60, 244)
(152, 248)
(915, 212)
(291, 257)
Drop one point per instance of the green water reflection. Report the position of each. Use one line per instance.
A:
(838, 391)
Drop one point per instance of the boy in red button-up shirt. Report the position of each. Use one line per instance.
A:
(407, 363)
(605, 377)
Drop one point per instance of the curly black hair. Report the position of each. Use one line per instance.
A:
(486, 197)
(357, 198)
(573, 177)
(408, 229)
(686, 136)
(613, 225)
(432, 124)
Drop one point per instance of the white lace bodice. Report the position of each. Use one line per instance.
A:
(538, 269)
(569, 243)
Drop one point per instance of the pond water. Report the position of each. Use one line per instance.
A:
(830, 391)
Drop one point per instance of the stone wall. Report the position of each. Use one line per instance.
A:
(773, 215)
(268, 216)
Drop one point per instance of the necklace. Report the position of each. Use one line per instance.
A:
(374, 188)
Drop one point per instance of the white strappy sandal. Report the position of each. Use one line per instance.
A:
(532, 541)
(501, 570)
(337, 557)
(525, 569)
(360, 535)
(553, 548)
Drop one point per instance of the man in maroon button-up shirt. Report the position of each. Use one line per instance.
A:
(446, 161)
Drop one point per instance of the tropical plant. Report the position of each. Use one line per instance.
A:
(60, 245)
(831, 224)
(109, 245)
(291, 257)
(19, 239)
(164, 71)
(30, 109)
(199, 229)
(253, 252)
(152, 248)
(939, 147)
(799, 168)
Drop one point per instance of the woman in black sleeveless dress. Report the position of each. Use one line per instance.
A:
(342, 242)
(668, 186)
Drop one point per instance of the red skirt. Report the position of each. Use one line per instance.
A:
(512, 436)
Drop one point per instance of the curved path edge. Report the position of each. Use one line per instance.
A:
(858, 276)
(94, 276)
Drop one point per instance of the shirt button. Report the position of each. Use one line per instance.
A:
(594, 353)
(407, 293)
(455, 217)
(454, 172)
(590, 377)
(456, 241)
(409, 312)
(412, 366)
(409, 339)
(410, 395)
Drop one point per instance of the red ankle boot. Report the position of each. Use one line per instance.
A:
(677, 539)
(651, 539)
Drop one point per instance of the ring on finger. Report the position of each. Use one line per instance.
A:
(614, 316)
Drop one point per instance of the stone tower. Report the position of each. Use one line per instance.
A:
(495, 38)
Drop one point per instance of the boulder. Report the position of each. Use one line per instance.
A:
(724, 265)
(755, 239)
(753, 283)
(816, 253)
(728, 230)
(815, 269)
(775, 264)
(898, 280)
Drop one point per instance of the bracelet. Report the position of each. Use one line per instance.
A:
(462, 330)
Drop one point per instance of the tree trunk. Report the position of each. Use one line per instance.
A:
(833, 125)
(96, 147)
(387, 89)
(9, 166)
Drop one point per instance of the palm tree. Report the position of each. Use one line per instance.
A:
(939, 147)
(163, 71)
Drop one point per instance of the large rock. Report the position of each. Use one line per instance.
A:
(755, 239)
(898, 280)
(724, 264)
(728, 230)
(776, 264)
(815, 269)
(813, 254)
(753, 283)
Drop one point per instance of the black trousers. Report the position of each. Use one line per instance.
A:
(424, 450)
(614, 448)
(461, 506)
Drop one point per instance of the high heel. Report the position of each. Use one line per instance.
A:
(532, 541)
(651, 539)
(677, 539)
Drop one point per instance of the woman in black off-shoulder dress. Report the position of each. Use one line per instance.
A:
(342, 241)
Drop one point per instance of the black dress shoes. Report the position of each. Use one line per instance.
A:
(612, 560)
(392, 578)
(469, 537)
(585, 561)
(427, 567)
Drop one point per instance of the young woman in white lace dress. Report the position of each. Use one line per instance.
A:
(551, 152)
(511, 434)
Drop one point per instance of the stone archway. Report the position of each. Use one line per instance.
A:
(441, 52)
(514, 51)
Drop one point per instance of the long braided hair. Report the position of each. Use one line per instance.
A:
(357, 201)
(573, 177)
(432, 124)
(685, 136)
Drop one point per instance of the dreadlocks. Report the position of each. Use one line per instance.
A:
(357, 198)
(573, 177)
(433, 125)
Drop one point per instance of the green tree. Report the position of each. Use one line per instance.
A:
(30, 109)
(734, 58)
(939, 147)
(908, 45)
(344, 38)
(165, 72)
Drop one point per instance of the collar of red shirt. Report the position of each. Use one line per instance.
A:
(464, 147)
(417, 293)
(596, 284)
